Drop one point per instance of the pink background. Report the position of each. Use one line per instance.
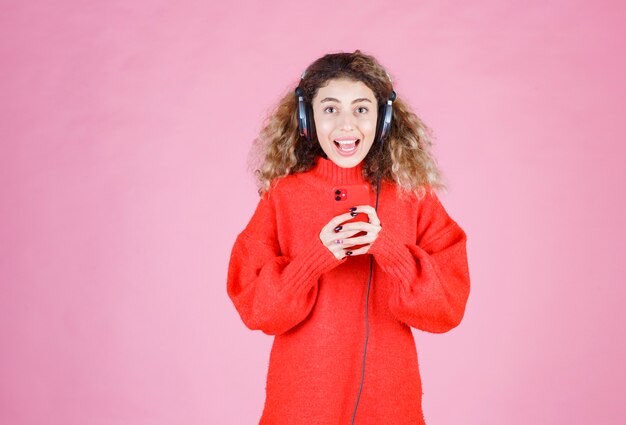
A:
(124, 129)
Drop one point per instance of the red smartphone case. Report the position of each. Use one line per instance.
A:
(346, 196)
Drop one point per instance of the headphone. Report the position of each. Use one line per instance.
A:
(306, 125)
(306, 128)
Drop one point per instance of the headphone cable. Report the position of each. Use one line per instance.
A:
(367, 294)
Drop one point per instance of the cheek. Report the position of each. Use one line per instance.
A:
(369, 126)
(323, 127)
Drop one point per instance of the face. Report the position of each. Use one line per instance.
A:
(345, 114)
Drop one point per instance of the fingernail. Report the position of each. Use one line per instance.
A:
(353, 214)
(353, 209)
(338, 228)
(349, 253)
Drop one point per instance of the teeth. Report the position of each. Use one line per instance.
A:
(347, 145)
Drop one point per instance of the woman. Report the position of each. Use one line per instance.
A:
(341, 306)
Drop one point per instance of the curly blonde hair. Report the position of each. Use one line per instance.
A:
(405, 158)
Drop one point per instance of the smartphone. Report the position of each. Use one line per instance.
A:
(346, 196)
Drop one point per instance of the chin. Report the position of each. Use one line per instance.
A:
(346, 162)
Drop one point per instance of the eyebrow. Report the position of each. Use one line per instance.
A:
(332, 99)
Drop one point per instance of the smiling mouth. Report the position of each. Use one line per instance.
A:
(347, 145)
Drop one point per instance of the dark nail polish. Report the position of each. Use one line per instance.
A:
(354, 214)
(338, 228)
(353, 209)
(349, 253)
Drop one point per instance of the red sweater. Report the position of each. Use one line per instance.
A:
(285, 282)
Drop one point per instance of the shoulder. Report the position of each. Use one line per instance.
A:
(416, 198)
(283, 190)
(283, 186)
(427, 204)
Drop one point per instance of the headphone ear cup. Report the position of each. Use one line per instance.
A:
(304, 115)
(386, 118)
(301, 114)
(379, 123)
(383, 127)
(310, 124)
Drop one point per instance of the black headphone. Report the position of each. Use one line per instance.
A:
(306, 125)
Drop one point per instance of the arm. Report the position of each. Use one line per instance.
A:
(273, 292)
(431, 276)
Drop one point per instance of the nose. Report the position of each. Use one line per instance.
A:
(345, 122)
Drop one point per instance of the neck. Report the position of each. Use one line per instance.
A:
(331, 172)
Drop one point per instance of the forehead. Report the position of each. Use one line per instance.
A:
(344, 89)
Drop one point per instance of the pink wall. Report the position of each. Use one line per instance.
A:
(124, 129)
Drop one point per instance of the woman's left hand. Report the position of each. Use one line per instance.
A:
(372, 228)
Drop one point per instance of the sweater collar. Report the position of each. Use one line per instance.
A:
(330, 172)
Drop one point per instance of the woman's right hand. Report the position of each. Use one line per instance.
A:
(329, 236)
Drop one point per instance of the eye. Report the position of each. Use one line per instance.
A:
(330, 107)
(362, 108)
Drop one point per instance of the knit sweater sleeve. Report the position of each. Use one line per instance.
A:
(431, 276)
(272, 291)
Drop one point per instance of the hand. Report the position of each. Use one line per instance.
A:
(331, 233)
